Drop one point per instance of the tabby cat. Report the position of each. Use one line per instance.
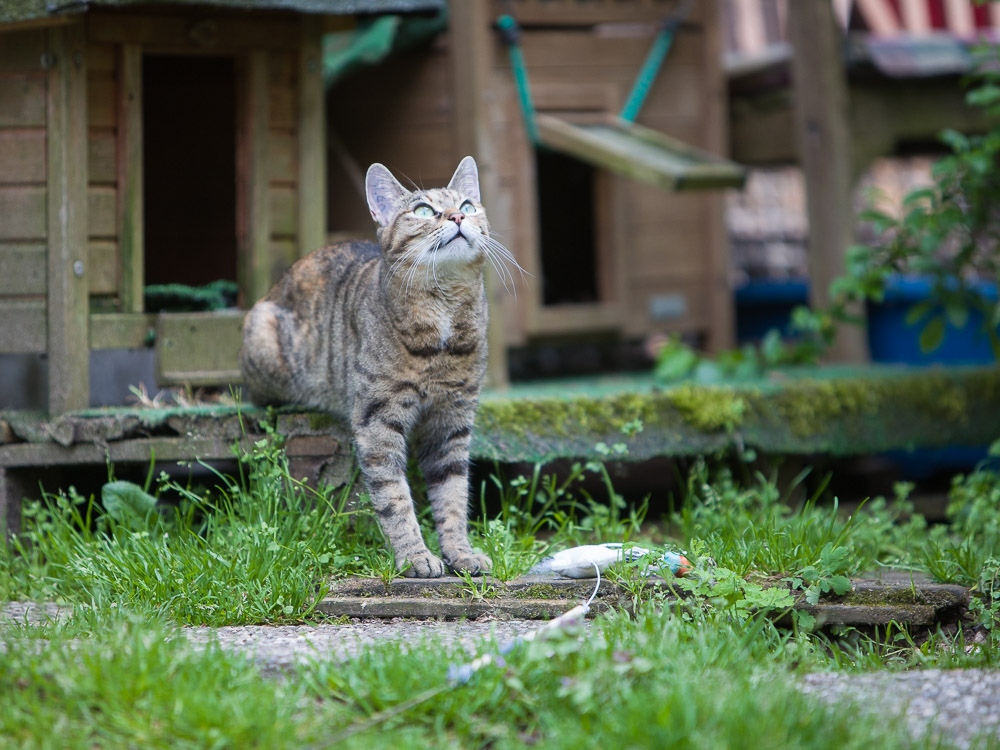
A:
(392, 337)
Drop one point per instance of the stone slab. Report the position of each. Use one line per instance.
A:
(870, 603)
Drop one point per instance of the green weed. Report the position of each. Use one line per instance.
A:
(257, 548)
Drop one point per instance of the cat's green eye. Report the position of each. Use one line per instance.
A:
(468, 208)
(424, 211)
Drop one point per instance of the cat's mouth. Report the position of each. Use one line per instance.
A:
(459, 239)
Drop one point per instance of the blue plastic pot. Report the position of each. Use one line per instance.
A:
(890, 339)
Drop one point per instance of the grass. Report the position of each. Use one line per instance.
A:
(657, 680)
(710, 670)
(257, 548)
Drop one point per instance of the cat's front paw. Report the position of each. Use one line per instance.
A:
(470, 562)
(423, 565)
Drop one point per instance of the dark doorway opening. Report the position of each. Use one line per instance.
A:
(567, 230)
(189, 163)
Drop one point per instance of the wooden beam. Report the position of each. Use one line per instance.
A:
(198, 348)
(824, 133)
(23, 268)
(131, 225)
(23, 325)
(46, 22)
(192, 33)
(69, 354)
(720, 332)
(470, 44)
(252, 193)
(312, 140)
(122, 330)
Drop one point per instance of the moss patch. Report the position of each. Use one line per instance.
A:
(709, 408)
(322, 421)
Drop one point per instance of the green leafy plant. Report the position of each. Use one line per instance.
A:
(716, 588)
(948, 232)
(960, 552)
(381, 563)
(478, 589)
(129, 505)
(511, 554)
(677, 361)
(985, 604)
(825, 575)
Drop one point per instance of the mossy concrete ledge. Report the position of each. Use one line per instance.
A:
(812, 411)
(808, 411)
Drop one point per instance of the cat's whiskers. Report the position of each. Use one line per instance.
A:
(425, 252)
(408, 255)
(407, 263)
(500, 258)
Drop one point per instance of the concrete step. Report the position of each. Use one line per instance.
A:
(871, 602)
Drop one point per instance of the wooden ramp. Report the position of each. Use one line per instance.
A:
(640, 153)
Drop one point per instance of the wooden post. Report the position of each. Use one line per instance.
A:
(66, 183)
(312, 140)
(470, 45)
(130, 179)
(721, 316)
(823, 123)
(253, 199)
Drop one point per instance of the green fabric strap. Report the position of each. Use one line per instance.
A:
(647, 74)
(512, 33)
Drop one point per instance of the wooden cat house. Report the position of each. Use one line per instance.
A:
(598, 210)
(190, 142)
(155, 143)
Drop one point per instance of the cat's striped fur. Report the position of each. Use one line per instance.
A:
(393, 338)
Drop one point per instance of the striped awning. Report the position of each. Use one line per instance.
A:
(754, 26)
(962, 18)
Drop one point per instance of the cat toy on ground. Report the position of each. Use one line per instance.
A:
(582, 561)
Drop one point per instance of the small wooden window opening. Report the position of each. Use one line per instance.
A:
(189, 169)
(567, 229)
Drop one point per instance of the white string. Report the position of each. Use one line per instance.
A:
(596, 588)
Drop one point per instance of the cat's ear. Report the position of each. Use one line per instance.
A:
(466, 179)
(385, 194)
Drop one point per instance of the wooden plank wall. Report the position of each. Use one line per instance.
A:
(657, 243)
(399, 113)
(103, 127)
(23, 217)
(282, 158)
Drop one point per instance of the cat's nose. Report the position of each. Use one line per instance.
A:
(456, 217)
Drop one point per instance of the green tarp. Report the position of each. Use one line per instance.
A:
(376, 38)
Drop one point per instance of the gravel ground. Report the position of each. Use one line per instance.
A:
(275, 649)
(957, 705)
(32, 613)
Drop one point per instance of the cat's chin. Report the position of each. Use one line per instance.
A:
(458, 251)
